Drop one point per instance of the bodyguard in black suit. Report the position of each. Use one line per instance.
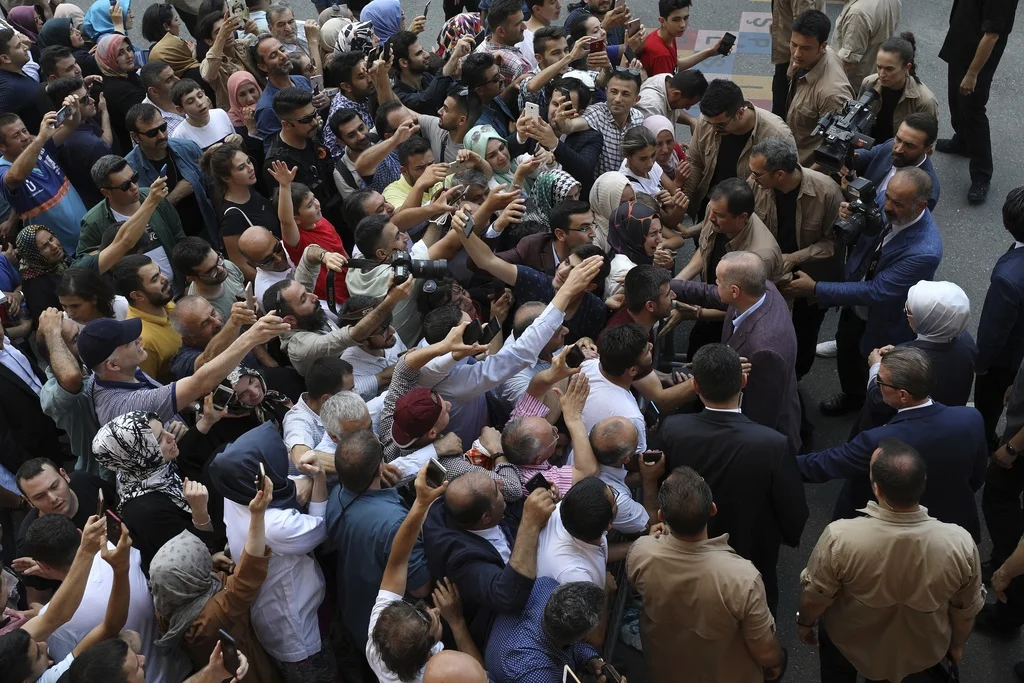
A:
(25, 432)
(748, 466)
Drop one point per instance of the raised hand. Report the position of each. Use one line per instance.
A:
(282, 174)
(575, 397)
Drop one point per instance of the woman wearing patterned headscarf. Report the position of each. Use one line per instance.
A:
(550, 188)
(156, 504)
(251, 405)
(634, 238)
(357, 37)
(193, 599)
(122, 87)
(329, 33)
(42, 262)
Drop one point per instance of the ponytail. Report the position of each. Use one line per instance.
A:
(904, 45)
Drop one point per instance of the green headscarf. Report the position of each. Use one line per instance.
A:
(476, 141)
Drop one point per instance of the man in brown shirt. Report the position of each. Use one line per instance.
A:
(818, 83)
(799, 206)
(898, 590)
(861, 28)
(783, 12)
(704, 605)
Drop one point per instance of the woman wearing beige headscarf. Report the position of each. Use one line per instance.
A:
(329, 33)
(609, 190)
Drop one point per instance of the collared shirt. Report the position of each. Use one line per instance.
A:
(887, 621)
(113, 399)
(160, 340)
(15, 361)
(822, 89)
(74, 414)
(496, 537)
(632, 517)
(513, 64)
(600, 119)
(724, 410)
(302, 427)
(342, 102)
(565, 558)
(738, 320)
(703, 604)
(365, 366)
(284, 613)
(860, 30)
(755, 237)
(173, 119)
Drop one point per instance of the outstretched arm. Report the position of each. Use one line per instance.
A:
(396, 573)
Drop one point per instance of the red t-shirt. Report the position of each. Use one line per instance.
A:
(659, 57)
(324, 235)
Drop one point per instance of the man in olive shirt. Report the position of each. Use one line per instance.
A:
(897, 589)
(703, 604)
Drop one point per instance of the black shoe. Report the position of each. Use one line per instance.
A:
(1018, 670)
(992, 622)
(951, 146)
(978, 191)
(840, 404)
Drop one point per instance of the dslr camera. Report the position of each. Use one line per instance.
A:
(844, 132)
(866, 218)
(405, 266)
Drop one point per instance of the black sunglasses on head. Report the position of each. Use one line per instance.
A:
(153, 132)
(625, 70)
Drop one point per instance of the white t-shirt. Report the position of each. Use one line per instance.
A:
(496, 537)
(649, 184)
(215, 131)
(526, 47)
(566, 559)
(609, 400)
(52, 674)
(385, 598)
(158, 254)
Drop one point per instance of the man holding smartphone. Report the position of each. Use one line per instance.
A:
(661, 50)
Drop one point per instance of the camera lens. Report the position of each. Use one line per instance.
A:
(433, 268)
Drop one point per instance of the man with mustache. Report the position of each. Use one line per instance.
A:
(138, 278)
(209, 274)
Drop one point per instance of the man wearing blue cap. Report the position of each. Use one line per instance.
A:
(113, 350)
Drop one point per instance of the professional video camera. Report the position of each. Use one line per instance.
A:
(404, 265)
(866, 218)
(844, 132)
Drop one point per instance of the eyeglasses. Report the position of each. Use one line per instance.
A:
(153, 132)
(586, 227)
(126, 185)
(756, 176)
(212, 272)
(420, 610)
(880, 383)
(278, 249)
(721, 126)
(305, 120)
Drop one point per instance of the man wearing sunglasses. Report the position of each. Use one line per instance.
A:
(482, 75)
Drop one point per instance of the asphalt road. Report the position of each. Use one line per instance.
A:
(973, 239)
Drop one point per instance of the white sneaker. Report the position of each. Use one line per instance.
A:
(826, 349)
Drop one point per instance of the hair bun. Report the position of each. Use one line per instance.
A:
(909, 37)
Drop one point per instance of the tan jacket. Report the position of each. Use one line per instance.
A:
(817, 208)
(216, 68)
(891, 582)
(703, 151)
(860, 30)
(823, 89)
(755, 237)
(783, 14)
(916, 97)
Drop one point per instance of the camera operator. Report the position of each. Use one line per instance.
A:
(887, 259)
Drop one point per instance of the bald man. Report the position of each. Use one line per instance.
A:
(467, 539)
(614, 442)
(265, 255)
(452, 666)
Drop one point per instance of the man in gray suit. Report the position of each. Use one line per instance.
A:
(758, 326)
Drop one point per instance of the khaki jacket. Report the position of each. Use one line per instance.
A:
(862, 27)
(823, 89)
(703, 151)
(916, 97)
(755, 237)
(783, 14)
(817, 208)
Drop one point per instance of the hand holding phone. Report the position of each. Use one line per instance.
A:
(537, 481)
(63, 114)
(260, 477)
(436, 472)
(426, 8)
(229, 650)
(221, 395)
(472, 334)
(532, 110)
(728, 40)
(113, 527)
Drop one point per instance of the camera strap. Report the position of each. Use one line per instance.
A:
(877, 255)
(331, 302)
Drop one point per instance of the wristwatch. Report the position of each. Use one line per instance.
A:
(803, 625)
(1011, 450)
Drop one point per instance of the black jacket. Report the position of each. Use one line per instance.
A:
(578, 154)
(25, 432)
(430, 98)
(122, 94)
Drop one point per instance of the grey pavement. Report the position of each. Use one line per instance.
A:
(973, 239)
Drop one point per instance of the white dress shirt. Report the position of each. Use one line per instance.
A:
(365, 366)
(632, 517)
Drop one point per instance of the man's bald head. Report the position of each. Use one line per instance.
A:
(471, 500)
(255, 241)
(746, 270)
(613, 440)
(452, 666)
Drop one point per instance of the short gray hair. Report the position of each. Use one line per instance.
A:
(104, 166)
(573, 611)
(910, 369)
(275, 9)
(344, 406)
(746, 270)
(471, 176)
(184, 306)
(922, 182)
(779, 154)
(518, 443)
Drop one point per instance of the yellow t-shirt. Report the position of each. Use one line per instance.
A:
(160, 340)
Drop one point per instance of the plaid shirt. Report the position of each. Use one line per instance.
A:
(600, 119)
(513, 63)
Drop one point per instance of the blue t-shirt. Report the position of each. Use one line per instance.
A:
(46, 198)
(9, 279)
(267, 122)
(587, 321)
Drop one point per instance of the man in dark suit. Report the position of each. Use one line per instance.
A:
(572, 225)
(879, 272)
(911, 146)
(758, 326)
(950, 439)
(467, 539)
(1001, 330)
(757, 487)
(25, 432)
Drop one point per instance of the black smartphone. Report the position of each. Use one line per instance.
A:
(436, 473)
(163, 172)
(386, 52)
(472, 334)
(113, 527)
(373, 55)
(221, 395)
(229, 649)
(426, 8)
(63, 114)
(651, 457)
(491, 331)
(610, 674)
(537, 481)
(574, 357)
(260, 476)
(728, 40)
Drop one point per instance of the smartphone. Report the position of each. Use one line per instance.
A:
(260, 477)
(491, 331)
(100, 506)
(163, 172)
(373, 55)
(651, 457)
(221, 395)
(386, 52)
(472, 334)
(574, 357)
(229, 649)
(113, 527)
(456, 167)
(728, 40)
(610, 674)
(426, 8)
(470, 224)
(632, 27)
(537, 481)
(62, 115)
(436, 473)
(456, 198)
(532, 109)
(597, 46)
(317, 82)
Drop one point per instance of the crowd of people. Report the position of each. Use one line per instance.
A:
(333, 354)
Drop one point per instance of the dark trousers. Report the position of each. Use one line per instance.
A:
(852, 366)
(989, 390)
(967, 113)
(1004, 517)
(836, 668)
(807, 319)
(780, 90)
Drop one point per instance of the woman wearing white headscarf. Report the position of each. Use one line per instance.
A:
(609, 190)
(938, 313)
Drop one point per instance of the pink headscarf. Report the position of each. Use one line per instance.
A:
(23, 18)
(106, 54)
(235, 83)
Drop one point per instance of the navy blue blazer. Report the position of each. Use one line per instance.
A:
(912, 255)
(874, 164)
(950, 439)
(1001, 329)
